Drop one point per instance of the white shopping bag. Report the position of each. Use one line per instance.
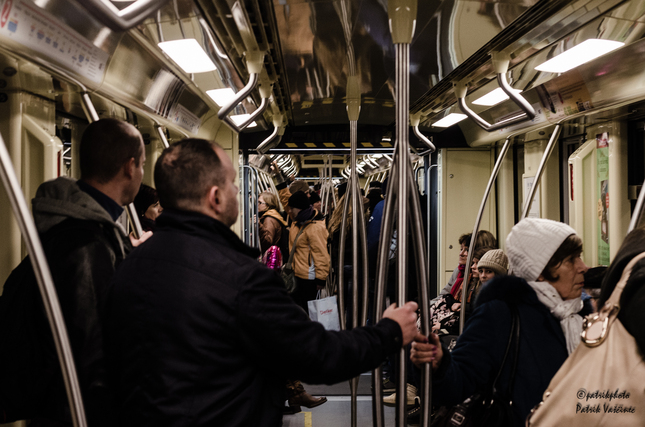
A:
(325, 311)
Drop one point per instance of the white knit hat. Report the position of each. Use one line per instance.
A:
(494, 260)
(531, 244)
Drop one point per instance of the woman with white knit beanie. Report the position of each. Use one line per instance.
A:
(546, 254)
(545, 291)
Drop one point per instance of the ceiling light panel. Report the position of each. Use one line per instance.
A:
(494, 97)
(221, 96)
(189, 55)
(578, 55)
(449, 120)
(241, 118)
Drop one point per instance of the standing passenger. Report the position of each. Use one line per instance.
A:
(82, 243)
(545, 255)
(199, 333)
(311, 258)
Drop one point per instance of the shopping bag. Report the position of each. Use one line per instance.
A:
(325, 312)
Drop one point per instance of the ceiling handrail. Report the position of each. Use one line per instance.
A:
(414, 122)
(121, 20)
(500, 63)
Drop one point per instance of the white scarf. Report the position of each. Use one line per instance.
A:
(566, 311)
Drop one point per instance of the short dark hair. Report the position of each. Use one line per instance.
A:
(572, 246)
(186, 171)
(106, 145)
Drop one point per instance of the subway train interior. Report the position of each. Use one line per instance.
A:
(479, 113)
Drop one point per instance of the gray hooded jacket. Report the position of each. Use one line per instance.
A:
(83, 246)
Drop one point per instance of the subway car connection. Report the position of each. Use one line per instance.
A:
(477, 114)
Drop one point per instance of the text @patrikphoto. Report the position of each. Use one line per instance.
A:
(603, 401)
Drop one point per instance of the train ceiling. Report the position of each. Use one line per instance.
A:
(310, 47)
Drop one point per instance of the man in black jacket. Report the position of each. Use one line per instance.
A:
(82, 243)
(199, 333)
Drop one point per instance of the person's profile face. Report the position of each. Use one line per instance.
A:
(463, 254)
(153, 211)
(571, 279)
(229, 190)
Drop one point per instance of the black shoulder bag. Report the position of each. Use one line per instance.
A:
(492, 407)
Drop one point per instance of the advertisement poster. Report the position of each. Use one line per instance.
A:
(602, 156)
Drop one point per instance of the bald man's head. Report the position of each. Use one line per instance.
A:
(106, 146)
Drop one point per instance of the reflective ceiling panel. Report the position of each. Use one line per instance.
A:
(322, 42)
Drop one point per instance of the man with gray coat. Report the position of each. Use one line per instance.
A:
(83, 244)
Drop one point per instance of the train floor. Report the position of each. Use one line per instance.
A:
(337, 411)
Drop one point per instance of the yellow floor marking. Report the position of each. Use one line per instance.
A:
(308, 419)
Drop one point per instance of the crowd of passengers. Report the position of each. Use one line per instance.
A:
(184, 326)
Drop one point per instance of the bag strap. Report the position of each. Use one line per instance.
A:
(596, 326)
(513, 338)
(293, 250)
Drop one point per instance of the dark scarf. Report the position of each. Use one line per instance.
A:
(456, 288)
(305, 215)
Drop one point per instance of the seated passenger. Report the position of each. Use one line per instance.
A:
(545, 255)
(199, 333)
(484, 238)
(493, 263)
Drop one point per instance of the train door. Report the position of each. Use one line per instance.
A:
(27, 124)
(598, 204)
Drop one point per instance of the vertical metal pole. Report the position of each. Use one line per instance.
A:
(422, 280)
(45, 285)
(352, 190)
(341, 262)
(638, 210)
(403, 164)
(245, 202)
(538, 174)
(162, 136)
(473, 238)
(387, 225)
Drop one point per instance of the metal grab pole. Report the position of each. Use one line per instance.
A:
(341, 262)
(538, 174)
(352, 189)
(402, 137)
(387, 230)
(45, 285)
(638, 210)
(473, 238)
(162, 137)
(416, 220)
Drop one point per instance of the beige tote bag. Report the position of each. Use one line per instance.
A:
(602, 383)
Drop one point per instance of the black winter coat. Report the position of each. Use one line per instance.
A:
(82, 245)
(632, 300)
(478, 354)
(201, 334)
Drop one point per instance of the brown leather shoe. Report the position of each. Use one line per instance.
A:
(290, 410)
(305, 399)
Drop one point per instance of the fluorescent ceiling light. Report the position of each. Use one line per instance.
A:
(189, 55)
(221, 96)
(449, 120)
(493, 97)
(578, 55)
(241, 118)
